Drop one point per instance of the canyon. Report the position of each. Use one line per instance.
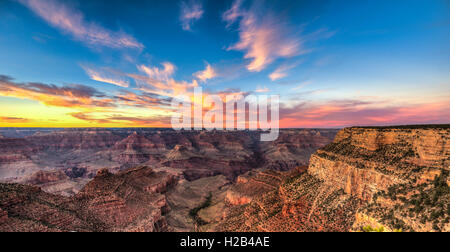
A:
(62, 161)
(163, 180)
(394, 178)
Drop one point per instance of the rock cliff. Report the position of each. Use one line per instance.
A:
(80, 153)
(127, 201)
(395, 177)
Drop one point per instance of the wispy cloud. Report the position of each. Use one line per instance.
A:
(206, 74)
(160, 81)
(8, 119)
(143, 100)
(106, 76)
(73, 96)
(72, 21)
(262, 89)
(302, 85)
(281, 71)
(344, 113)
(262, 37)
(161, 74)
(153, 121)
(190, 12)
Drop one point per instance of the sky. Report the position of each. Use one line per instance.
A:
(119, 63)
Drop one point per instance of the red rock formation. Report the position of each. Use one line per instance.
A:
(137, 149)
(44, 177)
(74, 139)
(16, 149)
(293, 148)
(279, 202)
(3, 216)
(395, 177)
(81, 152)
(30, 209)
(127, 201)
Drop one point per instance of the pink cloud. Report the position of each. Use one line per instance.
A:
(262, 38)
(106, 76)
(359, 113)
(208, 73)
(189, 14)
(72, 22)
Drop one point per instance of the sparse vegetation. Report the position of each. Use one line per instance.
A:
(381, 229)
(194, 212)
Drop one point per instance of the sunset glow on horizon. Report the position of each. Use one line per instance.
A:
(118, 64)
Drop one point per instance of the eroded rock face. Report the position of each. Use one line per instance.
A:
(44, 177)
(362, 183)
(15, 150)
(126, 201)
(189, 195)
(398, 179)
(80, 153)
(137, 149)
(293, 148)
(268, 201)
(363, 161)
(129, 200)
(75, 139)
(3, 216)
(253, 184)
(395, 177)
(30, 209)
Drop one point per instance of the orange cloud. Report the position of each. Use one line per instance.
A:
(261, 37)
(106, 77)
(129, 121)
(159, 81)
(146, 100)
(73, 96)
(206, 74)
(14, 120)
(161, 74)
(360, 113)
(281, 71)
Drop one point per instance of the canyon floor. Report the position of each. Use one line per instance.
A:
(162, 180)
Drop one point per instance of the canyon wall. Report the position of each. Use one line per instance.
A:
(81, 153)
(132, 200)
(390, 177)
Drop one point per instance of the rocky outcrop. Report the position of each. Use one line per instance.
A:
(30, 209)
(186, 201)
(3, 216)
(75, 139)
(294, 147)
(80, 153)
(44, 177)
(127, 201)
(136, 149)
(15, 150)
(363, 161)
(269, 201)
(253, 184)
(394, 177)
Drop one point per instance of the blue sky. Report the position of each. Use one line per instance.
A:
(333, 63)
